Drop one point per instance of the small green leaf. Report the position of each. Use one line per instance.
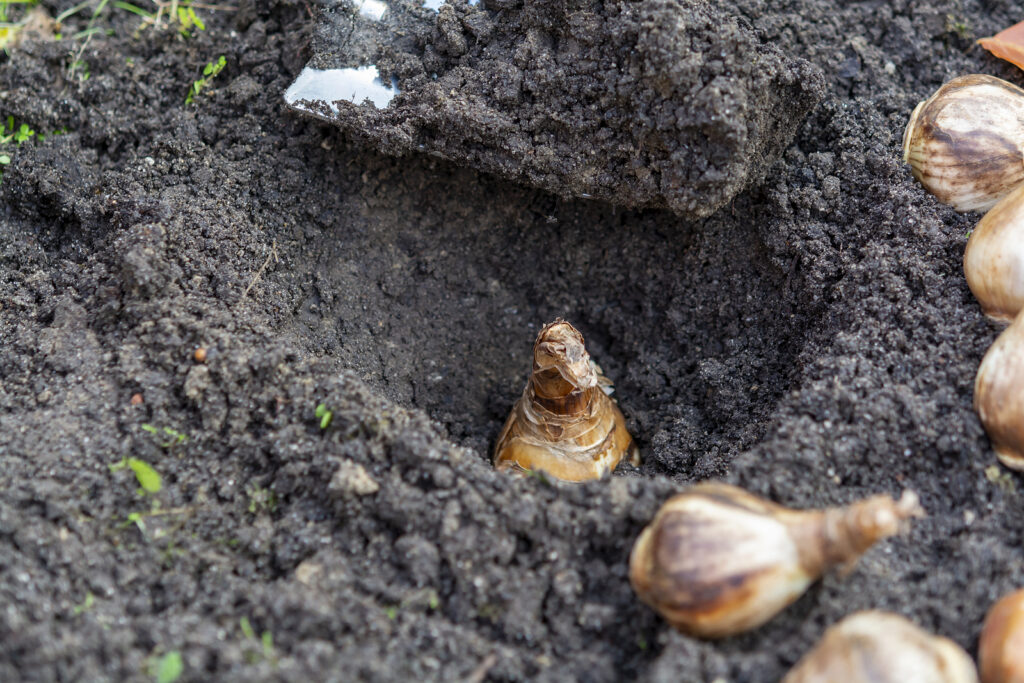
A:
(324, 414)
(149, 478)
(171, 667)
(246, 627)
(4, 159)
(89, 600)
(128, 7)
(24, 134)
(176, 437)
(391, 612)
(268, 644)
(136, 519)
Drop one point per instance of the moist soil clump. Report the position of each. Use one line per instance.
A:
(813, 341)
(663, 103)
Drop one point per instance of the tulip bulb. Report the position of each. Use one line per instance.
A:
(1001, 647)
(565, 423)
(994, 259)
(717, 560)
(999, 395)
(964, 143)
(880, 647)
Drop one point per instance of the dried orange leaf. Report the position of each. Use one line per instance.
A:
(1007, 44)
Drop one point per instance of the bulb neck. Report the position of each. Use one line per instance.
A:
(838, 536)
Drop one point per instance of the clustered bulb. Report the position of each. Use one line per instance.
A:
(880, 647)
(966, 145)
(565, 424)
(1001, 647)
(994, 258)
(718, 560)
(999, 395)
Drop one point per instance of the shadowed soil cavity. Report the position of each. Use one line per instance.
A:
(813, 340)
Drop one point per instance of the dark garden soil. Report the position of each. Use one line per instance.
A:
(814, 340)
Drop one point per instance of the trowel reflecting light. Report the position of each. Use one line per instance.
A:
(436, 4)
(330, 85)
(372, 9)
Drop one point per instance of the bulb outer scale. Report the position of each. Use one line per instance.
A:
(994, 258)
(999, 395)
(565, 424)
(717, 561)
(881, 647)
(1001, 645)
(964, 143)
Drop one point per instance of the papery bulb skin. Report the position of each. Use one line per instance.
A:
(999, 395)
(1001, 645)
(565, 424)
(717, 560)
(881, 647)
(994, 258)
(965, 143)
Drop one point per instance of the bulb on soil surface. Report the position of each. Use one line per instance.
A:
(1001, 647)
(964, 143)
(880, 647)
(994, 259)
(999, 395)
(717, 560)
(564, 424)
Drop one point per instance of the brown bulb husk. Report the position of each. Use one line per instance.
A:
(1001, 646)
(717, 560)
(965, 143)
(881, 647)
(999, 395)
(994, 258)
(564, 424)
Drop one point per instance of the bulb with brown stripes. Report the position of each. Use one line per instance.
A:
(565, 424)
(965, 143)
(881, 647)
(717, 560)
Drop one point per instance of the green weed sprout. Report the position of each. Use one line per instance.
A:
(261, 499)
(187, 20)
(266, 641)
(174, 436)
(77, 67)
(9, 134)
(210, 71)
(148, 478)
(170, 667)
(86, 604)
(324, 414)
(12, 134)
(173, 12)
